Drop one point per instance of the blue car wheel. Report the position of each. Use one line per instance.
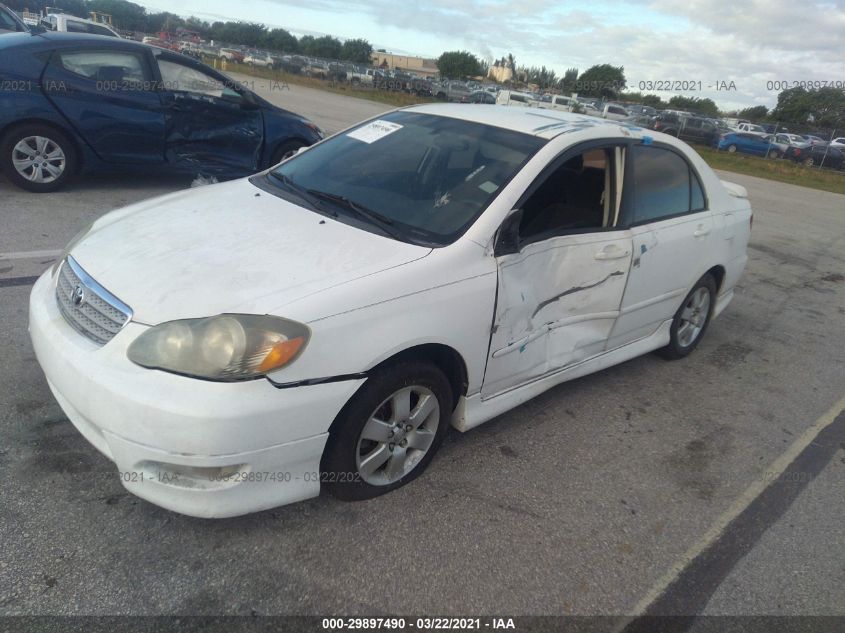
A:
(37, 158)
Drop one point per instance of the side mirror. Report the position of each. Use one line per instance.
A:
(507, 240)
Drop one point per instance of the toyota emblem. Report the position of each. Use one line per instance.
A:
(77, 297)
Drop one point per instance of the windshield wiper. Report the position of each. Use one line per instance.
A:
(382, 221)
(302, 192)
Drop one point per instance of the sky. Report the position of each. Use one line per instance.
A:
(735, 52)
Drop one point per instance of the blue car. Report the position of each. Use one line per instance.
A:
(747, 143)
(74, 102)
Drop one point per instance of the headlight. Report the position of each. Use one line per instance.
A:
(227, 347)
(316, 130)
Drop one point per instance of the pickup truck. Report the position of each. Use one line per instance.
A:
(451, 91)
(615, 113)
(751, 128)
(365, 76)
(317, 69)
(232, 55)
(259, 59)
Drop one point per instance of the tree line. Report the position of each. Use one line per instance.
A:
(820, 107)
(128, 16)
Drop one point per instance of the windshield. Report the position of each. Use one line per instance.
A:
(426, 177)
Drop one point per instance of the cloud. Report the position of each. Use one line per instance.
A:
(748, 42)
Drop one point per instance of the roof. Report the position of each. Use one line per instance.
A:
(535, 121)
(47, 40)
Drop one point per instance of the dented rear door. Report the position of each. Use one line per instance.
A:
(557, 302)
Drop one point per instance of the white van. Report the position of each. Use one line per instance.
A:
(73, 24)
(511, 97)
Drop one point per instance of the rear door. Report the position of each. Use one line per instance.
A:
(672, 235)
(211, 126)
(108, 96)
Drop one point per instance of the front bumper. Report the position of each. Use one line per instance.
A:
(201, 448)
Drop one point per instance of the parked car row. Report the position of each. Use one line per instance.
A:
(747, 138)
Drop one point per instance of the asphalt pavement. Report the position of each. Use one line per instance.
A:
(597, 497)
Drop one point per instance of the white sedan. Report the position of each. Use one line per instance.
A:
(321, 324)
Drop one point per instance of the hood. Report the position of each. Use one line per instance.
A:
(227, 248)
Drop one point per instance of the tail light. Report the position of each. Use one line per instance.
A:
(796, 152)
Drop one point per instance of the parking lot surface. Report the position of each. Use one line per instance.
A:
(581, 501)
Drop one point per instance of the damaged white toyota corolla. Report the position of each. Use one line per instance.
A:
(238, 346)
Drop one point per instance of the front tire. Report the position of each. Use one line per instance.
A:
(731, 149)
(285, 151)
(38, 158)
(388, 433)
(691, 320)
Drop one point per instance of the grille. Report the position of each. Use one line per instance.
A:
(91, 309)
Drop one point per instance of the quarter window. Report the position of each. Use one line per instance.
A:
(664, 185)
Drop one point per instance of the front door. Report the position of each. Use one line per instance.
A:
(211, 127)
(561, 283)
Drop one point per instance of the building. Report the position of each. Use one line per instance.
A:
(101, 18)
(417, 65)
(501, 71)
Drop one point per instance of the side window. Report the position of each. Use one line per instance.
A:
(73, 26)
(579, 195)
(6, 22)
(181, 78)
(664, 185)
(113, 66)
(99, 30)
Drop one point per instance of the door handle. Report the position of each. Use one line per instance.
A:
(701, 231)
(611, 252)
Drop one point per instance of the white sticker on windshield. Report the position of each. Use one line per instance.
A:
(488, 187)
(374, 131)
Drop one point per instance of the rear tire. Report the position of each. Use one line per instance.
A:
(731, 149)
(389, 431)
(691, 320)
(38, 158)
(808, 162)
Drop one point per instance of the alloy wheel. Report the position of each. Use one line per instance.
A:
(694, 317)
(397, 435)
(38, 159)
